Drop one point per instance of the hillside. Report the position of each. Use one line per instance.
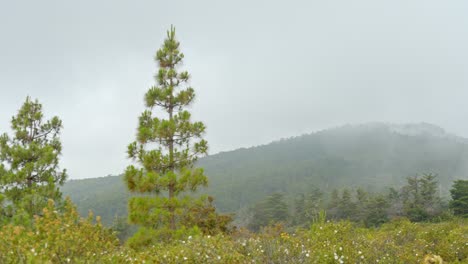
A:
(374, 156)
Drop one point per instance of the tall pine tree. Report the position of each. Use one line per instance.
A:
(459, 202)
(29, 164)
(166, 149)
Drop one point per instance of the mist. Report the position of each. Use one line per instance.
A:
(261, 70)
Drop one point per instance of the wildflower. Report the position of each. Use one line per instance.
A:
(307, 255)
(219, 257)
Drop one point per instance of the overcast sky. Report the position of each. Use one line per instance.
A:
(262, 70)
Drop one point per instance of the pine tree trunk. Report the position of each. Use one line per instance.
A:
(171, 186)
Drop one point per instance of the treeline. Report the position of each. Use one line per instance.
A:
(419, 200)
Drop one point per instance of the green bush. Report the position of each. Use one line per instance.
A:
(59, 238)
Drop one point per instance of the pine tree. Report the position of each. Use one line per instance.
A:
(421, 197)
(459, 202)
(332, 208)
(430, 194)
(29, 164)
(166, 148)
(273, 209)
(346, 206)
(300, 214)
(376, 211)
(362, 202)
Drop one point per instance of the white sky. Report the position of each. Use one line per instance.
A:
(262, 70)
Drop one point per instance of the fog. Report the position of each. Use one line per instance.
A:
(262, 70)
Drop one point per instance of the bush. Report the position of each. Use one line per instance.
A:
(56, 237)
(59, 238)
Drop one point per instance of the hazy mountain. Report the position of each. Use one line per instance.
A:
(373, 155)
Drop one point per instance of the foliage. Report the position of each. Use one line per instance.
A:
(29, 164)
(166, 150)
(420, 197)
(459, 203)
(399, 241)
(271, 210)
(202, 214)
(56, 237)
(306, 207)
(107, 196)
(373, 158)
(122, 228)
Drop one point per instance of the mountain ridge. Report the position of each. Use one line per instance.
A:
(370, 155)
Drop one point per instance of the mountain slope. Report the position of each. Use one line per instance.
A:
(373, 156)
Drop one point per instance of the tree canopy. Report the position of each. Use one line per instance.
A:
(29, 164)
(167, 145)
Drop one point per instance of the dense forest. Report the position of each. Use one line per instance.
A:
(371, 193)
(372, 157)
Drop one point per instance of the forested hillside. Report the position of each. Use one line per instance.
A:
(372, 156)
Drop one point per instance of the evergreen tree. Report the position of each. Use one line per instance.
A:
(396, 206)
(346, 206)
(306, 207)
(300, 214)
(376, 211)
(420, 197)
(29, 164)
(277, 209)
(332, 208)
(430, 194)
(273, 209)
(412, 200)
(362, 204)
(459, 202)
(165, 148)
